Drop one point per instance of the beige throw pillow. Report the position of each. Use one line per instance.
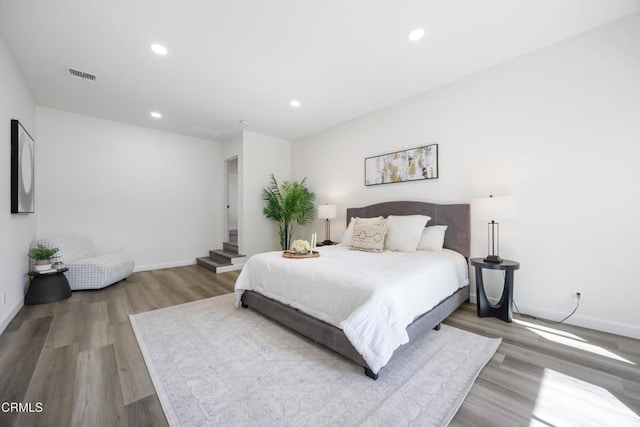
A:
(348, 234)
(369, 235)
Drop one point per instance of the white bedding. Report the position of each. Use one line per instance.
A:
(372, 297)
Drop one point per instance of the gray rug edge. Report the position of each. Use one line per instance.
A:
(495, 344)
(163, 395)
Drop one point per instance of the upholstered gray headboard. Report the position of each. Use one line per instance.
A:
(457, 217)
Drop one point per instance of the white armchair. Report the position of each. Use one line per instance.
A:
(87, 270)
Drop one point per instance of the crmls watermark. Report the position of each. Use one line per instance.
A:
(36, 407)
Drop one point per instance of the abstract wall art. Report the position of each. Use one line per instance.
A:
(22, 155)
(414, 164)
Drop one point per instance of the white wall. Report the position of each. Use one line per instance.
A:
(559, 130)
(16, 230)
(262, 156)
(259, 156)
(153, 193)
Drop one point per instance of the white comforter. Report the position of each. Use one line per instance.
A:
(372, 297)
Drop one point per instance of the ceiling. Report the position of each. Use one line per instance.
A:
(233, 60)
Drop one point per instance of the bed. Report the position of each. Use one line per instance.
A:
(291, 277)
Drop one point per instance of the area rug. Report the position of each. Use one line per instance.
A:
(215, 365)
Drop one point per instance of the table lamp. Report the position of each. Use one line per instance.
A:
(491, 209)
(327, 212)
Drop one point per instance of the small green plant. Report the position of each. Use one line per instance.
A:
(41, 252)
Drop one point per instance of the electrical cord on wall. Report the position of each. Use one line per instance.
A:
(553, 322)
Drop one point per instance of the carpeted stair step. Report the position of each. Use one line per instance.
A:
(223, 257)
(217, 267)
(230, 247)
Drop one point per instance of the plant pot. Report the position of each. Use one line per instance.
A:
(42, 265)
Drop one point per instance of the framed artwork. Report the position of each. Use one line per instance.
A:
(22, 154)
(414, 164)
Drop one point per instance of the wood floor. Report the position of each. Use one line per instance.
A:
(80, 359)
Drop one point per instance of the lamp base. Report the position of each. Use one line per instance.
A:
(495, 259)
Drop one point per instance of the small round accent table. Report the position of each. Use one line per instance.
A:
(504, 308)
(46, 287)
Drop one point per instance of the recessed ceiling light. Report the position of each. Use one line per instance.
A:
(156, 115)
(295, 103)
(416, 34)
(158, 49)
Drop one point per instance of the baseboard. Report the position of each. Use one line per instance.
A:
(160, 266)
(627, 330)
(10, 315)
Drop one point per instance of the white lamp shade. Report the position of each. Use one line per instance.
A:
(492, 208)
(327, 212)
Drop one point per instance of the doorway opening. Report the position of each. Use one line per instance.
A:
(231, 222)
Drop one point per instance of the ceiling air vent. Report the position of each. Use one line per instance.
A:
(81, 75)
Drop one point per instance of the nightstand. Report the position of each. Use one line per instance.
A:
(326, 244)
(504, 308)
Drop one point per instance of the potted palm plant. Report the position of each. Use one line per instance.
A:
(289, 204)
(42, 256)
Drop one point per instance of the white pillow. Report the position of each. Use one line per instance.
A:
(432, 238)
(404, 232)
(348, 233)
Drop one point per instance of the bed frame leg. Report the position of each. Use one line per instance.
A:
(437, 327)
(368, 372)
(244, 305)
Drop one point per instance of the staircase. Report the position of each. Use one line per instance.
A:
(223, 260)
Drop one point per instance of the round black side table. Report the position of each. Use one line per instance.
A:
(46, 287)
(504, 308)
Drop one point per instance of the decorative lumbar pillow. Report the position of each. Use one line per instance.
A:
(348, 233)
(368, 235)
(404, 232)
(432, 238)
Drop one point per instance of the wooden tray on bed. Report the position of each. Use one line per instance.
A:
(291, 254)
